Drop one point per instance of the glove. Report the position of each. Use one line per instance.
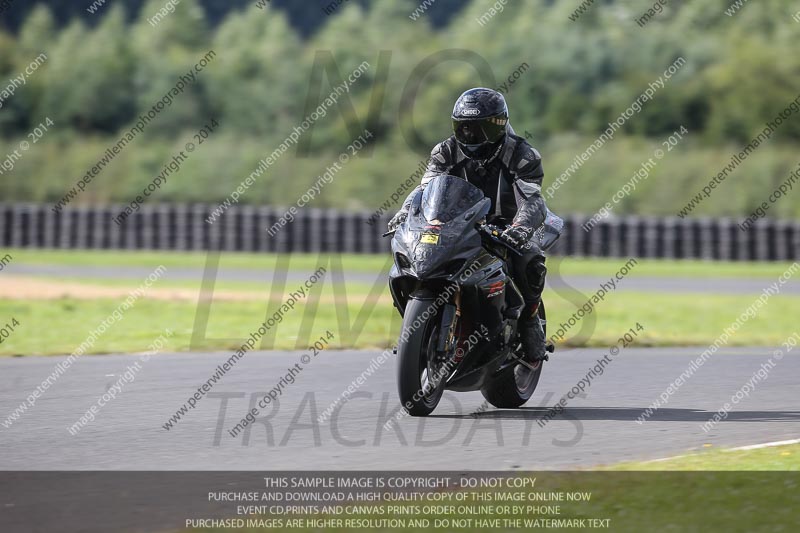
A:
(398, 219)
(517, 236)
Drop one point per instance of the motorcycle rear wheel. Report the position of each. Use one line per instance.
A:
(515, 385)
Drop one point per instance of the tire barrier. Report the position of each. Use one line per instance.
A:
(244, 228)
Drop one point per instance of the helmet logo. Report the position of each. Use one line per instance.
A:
(471, 112)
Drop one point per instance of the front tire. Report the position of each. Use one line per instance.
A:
(419, 395)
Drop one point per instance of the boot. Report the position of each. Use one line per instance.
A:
(531, 335)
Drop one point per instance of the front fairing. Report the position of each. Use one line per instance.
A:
(439, 236)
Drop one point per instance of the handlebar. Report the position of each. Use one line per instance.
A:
(492, 233)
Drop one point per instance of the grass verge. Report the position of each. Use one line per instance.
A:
(60, 326)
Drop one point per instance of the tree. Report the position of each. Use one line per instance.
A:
(90, 84)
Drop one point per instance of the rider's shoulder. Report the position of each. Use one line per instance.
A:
(445, 151)
(521, 158)
(523, 148)
(448, 144)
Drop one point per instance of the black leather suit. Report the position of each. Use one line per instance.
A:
(512, 179)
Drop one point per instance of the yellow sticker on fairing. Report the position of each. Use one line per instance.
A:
(429, 238)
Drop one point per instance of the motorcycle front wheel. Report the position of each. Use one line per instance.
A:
(418, 384)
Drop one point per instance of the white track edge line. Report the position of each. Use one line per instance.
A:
(765, 445)
(738, 449)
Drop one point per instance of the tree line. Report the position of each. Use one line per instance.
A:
(102, 72)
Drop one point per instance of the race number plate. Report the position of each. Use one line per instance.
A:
(429, 238)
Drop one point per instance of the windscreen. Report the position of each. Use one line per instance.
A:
(446, 197)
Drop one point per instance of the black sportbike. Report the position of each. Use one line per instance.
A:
(460, 308)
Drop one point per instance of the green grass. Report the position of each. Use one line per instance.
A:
(776, 458)
(59, 326)
(681, 319)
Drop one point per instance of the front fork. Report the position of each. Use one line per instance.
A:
(450, 319)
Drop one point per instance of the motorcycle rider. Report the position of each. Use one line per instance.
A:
(484, 151)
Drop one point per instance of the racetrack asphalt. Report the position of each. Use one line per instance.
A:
(598, 429)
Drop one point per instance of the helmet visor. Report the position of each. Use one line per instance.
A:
(478, 131)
